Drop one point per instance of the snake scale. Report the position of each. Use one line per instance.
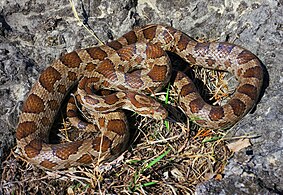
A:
(134, 65)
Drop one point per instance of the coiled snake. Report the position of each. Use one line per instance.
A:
(132, 65)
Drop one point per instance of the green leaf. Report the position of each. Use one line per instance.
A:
(166, 102)
(149, 183)
(211, 139)
(153, 162)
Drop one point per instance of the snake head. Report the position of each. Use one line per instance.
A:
(145, 106)
(160, 113)
(156, 112)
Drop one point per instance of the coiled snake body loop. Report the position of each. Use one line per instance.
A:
(132, 65)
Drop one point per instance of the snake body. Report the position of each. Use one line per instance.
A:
(133, 65)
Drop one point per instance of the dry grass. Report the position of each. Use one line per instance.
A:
(163, 158)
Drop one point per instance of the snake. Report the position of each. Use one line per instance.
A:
(122, 74)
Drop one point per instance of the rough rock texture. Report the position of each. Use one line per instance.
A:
(33, 33)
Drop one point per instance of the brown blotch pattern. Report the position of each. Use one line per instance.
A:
(255, 72)
(158, 73)
(149, 33)
(132, 97)
(33, 148)
(45, 121)
(33, 104)
(85, 159)
(105, 92)
(183, 42)
(48, 78)
(115, 45)
(187, 89)
(101, 145)
(245, 56)
(106, 68)
(153, 51)
(25, 129)
(121, 87)
(111, 99)
(71, 60)
(53, 105)
(90, 67)
(89, 84)
(249, 90)
(238, 106)
(126, 53)
(216, 113)
(196, 105)
(96, 53)
(82, 83)
(61, 89)
(101, 109)
(210, 61)
(117, 126)
(63, 151)
(131, 37)
(72, 76)
(105, 84)
(47, 164)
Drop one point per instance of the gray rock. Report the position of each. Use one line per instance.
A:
(33, 34)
